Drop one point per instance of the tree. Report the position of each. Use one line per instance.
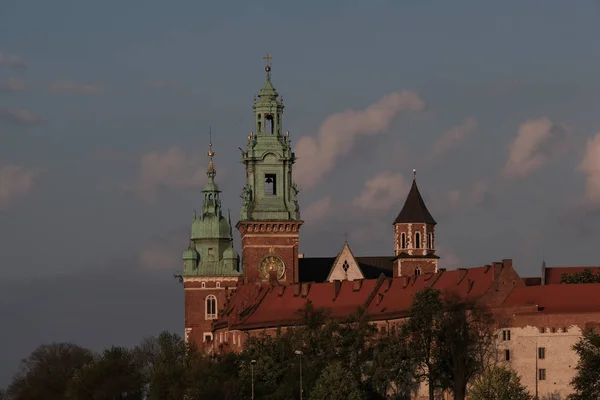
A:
(587, 380)
(336, 383)
(115, 374)
(392, 372)
(46, 373)
(466, 343)
(499, 383)
(423, 329)
(585, 276)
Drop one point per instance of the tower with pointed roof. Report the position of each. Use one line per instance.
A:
(210, 263)
(414, 236)
(270, 216)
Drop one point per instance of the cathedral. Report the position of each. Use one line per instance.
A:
(230, 297)
(269, 225)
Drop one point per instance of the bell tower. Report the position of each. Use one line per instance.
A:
(270, 216)
(414, 236)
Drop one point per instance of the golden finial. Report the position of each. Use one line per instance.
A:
(211, 153)
(414, 174)
(268, 58)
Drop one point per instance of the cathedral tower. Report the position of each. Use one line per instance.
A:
(414, 236)
(270, 217)
(210, 264)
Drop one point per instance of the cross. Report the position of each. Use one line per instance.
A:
(268, 58)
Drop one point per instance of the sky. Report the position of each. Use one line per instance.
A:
(105, 109)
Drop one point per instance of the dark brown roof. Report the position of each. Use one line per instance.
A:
(532, 281)
(414, 210)
(316, 269)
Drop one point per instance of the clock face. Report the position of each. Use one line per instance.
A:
(272, 263)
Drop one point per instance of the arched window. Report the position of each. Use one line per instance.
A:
(211, 307)
(417, 271)
(203, 285)
(403, 240)
(418, 240)
(430, 240)
(218, 284)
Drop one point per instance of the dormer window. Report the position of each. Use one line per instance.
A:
(418, 240)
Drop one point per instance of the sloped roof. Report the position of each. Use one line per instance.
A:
(414, 210)
(316, 269)
(557, 298)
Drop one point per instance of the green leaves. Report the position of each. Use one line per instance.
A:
(587, 381)
(586, 276)
(499, 383)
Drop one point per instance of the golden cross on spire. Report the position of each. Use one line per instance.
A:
(211, 153)
(268, 59)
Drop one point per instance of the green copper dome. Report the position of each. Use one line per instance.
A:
(191, 253)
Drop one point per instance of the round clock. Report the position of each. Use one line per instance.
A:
(272, 263)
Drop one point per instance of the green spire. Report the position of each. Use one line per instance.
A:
(211, 238)
(270, 193)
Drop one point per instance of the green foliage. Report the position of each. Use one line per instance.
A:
(336, 383)
(499, 383)
(393, 368)
(586, 276)
(47, 372)
(587, 380)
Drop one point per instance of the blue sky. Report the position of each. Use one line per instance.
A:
(104, 116)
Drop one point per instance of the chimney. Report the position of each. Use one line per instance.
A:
(300, 255)
(507, 263)
(305, 289)
(462, 272)
(337, 286)
(356, 285)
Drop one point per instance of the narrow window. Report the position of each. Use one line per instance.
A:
(211, 307)
(218, 284)
(507, 355)
(203, 285)
(234, 339)
(418, 240)
(542, 330)
(553, 330)
(542, 374)
(542, 353)
(506, 335)
(403, 240)
(417, 271)
(208, 337)
(270, 122)
(270, 184)
(430, 240)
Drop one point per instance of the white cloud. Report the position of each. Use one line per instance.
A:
(318, 210)
(475, 194)
(164, 252)
(382, 191)
(448, 259)
(15, 183)
(453, 137)
(66, 86)
(590, 166)
(13, 84)
(318, 155)
(19, 116)
(12, 61)
(172, 169)
(536, 141)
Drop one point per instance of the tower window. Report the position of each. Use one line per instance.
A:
(417, 271)
(270, 184)
(211, 307)
(403, 240)
(418, 240)
(430, 240)
(269, 123)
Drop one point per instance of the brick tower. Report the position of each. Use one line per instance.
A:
(414, 236)
(210, 264)
(270, 217)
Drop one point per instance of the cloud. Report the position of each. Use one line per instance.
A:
(536, 141)
(453, 137)
(382, 191)
(19, 116)
(12, 85)
(590, 167)
(172, 169)
(448, 259)
(164, 252)
(66, 86)
(12, 61)
(15, 183)
(318, 155)
(477, 193)
(317, 210)
(160, 85)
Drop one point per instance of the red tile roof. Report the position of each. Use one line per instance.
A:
(532, 281)
(557, 298)
(553, 274)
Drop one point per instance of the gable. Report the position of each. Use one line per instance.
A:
(345, 267)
